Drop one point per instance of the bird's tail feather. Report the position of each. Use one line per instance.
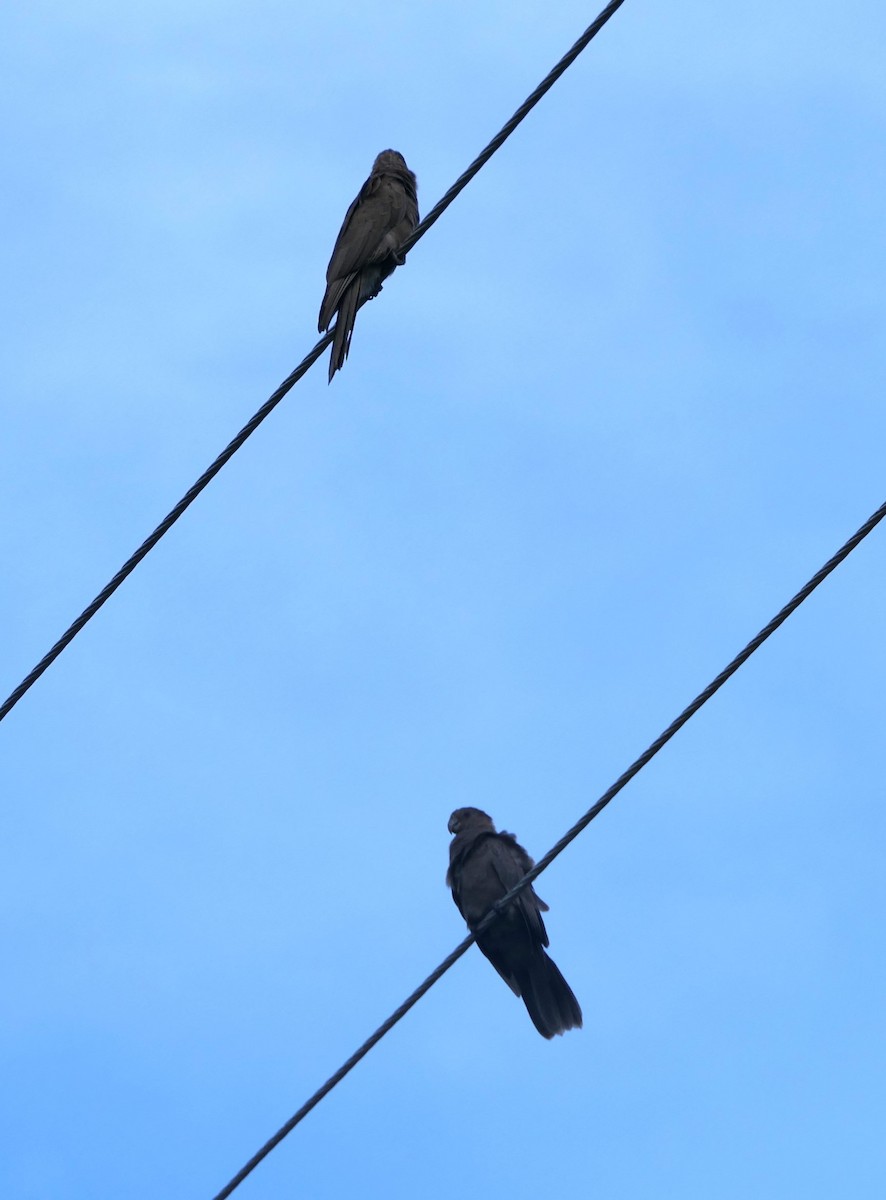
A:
(344, 327)
(549, 999)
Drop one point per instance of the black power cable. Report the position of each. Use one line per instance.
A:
(308, 361)
(582, 823)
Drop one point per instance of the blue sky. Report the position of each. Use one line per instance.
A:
(624, 399)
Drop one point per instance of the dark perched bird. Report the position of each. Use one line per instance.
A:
(483, 866)
(367, 248)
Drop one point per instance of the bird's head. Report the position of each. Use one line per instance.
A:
(464, 818)
(389, 160)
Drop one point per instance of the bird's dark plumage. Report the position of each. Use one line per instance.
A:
(366, 251)
(483, 866)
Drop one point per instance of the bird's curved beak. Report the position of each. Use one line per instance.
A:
(453, 824)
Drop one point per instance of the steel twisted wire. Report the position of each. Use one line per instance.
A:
(308, 361)
(582, 823)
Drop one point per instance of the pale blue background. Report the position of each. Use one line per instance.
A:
(626, 397)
